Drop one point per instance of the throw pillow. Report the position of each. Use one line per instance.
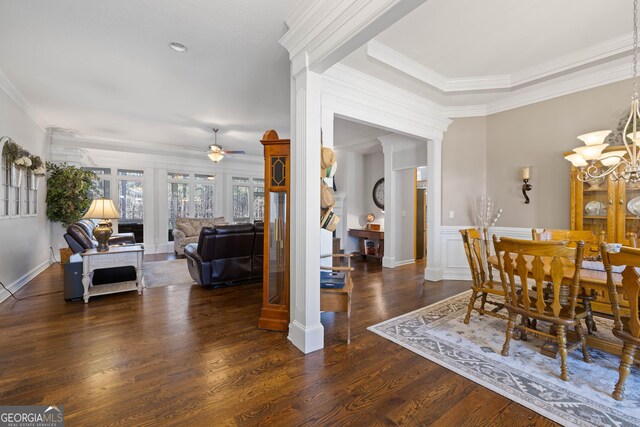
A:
(186, 228)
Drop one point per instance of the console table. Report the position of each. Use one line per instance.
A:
(116, 256)
(376, 250)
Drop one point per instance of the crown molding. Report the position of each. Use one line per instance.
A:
(545, 71)
(554, 90)
(144, 147)
(327, 31)
(466, 111)
(12, 91)
(346, 88)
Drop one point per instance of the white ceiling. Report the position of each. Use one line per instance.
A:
(104, 68)
(467, 52)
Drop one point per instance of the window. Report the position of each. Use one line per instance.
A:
(248, 199)
(204, 198)
(178, 192)
(103, 183)
(190, 195)
(131, 195)
(4, 187)
(30, 194)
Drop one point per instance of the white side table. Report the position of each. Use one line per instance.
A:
(116, 256)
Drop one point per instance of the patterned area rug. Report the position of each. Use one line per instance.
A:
(165, 273)
(526, 376)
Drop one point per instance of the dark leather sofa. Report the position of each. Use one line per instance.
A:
(79, 237)
(226, 254)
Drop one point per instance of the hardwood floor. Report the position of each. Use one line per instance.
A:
(186, 355)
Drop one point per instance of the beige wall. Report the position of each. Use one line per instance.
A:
(464, 153)
(536, 135)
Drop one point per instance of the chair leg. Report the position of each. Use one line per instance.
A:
(562, 349)
(349, 319)
(483, 302)
(472, 302)
(628, 352)
(591, 324)
(583, 340)
(510, 326)
(524, 321)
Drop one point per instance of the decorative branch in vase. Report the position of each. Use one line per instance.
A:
(485, 213)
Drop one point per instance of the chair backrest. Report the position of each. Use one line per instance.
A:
(630, 284)
(542, 262)
(571, 237)
(477, 249)
(632, 239)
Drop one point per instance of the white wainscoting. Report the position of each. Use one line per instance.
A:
(454, 260)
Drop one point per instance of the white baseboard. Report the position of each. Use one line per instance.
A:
(405, 262)
(306, 339)
(18, 284)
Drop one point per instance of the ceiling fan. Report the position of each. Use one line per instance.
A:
(216, 152)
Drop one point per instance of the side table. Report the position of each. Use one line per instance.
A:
(116, 256)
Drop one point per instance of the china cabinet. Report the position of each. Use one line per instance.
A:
(608, 206)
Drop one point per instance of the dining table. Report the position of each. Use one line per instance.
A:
(592, 279)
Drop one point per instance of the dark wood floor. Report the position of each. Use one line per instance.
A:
(185, 355)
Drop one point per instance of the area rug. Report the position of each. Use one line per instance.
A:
(527, 377)
(165, 273)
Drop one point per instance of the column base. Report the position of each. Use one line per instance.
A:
(433, 274)
(306, 339)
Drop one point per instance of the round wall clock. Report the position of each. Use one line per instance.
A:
(378, 193)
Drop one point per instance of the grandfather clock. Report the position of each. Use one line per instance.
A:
(275, 280)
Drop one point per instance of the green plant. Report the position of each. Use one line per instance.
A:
(70, 191)
(11, 150)
(36, 165)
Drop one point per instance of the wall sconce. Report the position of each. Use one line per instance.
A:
(525, 175)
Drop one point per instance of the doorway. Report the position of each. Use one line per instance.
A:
(420, 213)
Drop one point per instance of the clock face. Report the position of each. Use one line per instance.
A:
(378, 193)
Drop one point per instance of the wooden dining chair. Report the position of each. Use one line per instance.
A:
(626, 321)
(542, 262)
(338, 299)
(632, 239)
(477, 249)
(592, 248)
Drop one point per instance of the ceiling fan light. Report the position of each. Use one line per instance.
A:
(215, 156)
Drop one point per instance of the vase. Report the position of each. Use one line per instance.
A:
(16, 175)
(31, 180)
(36, 181)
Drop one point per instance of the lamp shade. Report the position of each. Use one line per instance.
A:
(102, 209)
(612, 157)
(576, 160)
(590, 152)
(594, 138)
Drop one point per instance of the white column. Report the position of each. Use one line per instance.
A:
(326, 237)
(305, 330)
(433, 271)
(390, 205)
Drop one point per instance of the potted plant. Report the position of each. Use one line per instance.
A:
(38, 170)
(70, 191)
(17, 160)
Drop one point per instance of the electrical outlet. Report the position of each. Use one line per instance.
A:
(451, 215)
(404, 213)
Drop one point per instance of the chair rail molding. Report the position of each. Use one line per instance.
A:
(455, 264)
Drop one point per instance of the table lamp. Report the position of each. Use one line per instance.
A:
(104, 210)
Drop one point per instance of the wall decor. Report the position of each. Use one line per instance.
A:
(378, 193)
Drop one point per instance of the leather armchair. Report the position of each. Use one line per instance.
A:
(223, 255)
(79, 237)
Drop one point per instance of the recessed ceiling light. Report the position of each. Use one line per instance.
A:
(178, 47)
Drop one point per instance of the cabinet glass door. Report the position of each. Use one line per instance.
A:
(277, 248)
(597, 205)
(629, 208)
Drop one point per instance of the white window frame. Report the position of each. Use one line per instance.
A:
(28, 196)
(251, 184)
(139, 179)
(5, 187)
(191, 181)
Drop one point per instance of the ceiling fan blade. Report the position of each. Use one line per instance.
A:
(233, 152)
